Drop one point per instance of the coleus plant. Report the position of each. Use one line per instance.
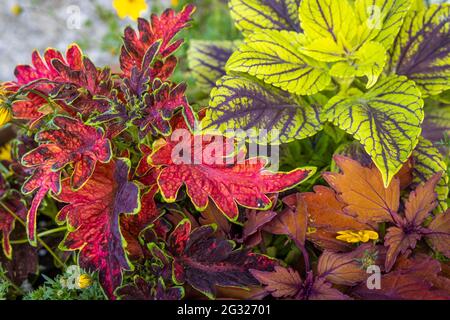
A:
(98, 145)
(97, 156)
(366, 67)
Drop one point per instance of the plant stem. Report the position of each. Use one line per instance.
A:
(41, 242)
(42, 234)
(304, 254)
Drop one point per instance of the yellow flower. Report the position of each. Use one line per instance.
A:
(16, 9)
(5, 152)
(175, 2)
(5, 113)
(130, 8)
(357, 236)
(84, 281)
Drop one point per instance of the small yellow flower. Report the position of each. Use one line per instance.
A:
(5, 152)
(5, 113)
(16, 9)
(357, 236)
(175, 2)
(130, 8)
(84, 281)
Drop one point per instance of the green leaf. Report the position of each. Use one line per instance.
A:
(421, 50)
(427, 162)
(386, 120)
(207, 60)
(368, 61)
(247, 104)
(257, 15)
(274, 57)
(328, 19)
(381, 19)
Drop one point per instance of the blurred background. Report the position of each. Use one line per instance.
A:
(96, 25)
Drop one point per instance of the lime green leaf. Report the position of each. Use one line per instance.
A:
(207, 60)
(381, 19)
(241, 103)
(421, 50)
(368, 61)
(257, 15)
(427, 162)
(328, 19)
(386, 120)
(274, 57)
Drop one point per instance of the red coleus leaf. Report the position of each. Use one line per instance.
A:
(409, 229)
(287, 283)
(163, 28)
(159, 107)
(92, 216)
(83, 86)
(32, 108)
(204, 261)
(206, 175)
(10, 202)
(132, 225)
(72, 142)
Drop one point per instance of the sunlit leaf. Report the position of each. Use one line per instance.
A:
(257, 15)
(386, 120)
(264, 113)
(421, 50)
(275, 57)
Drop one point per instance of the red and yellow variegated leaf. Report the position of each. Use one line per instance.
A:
(42, 72)
(159, 107)
(207, 176)
(133, 225)
(72, 142)
(92, 216)
(163, 28)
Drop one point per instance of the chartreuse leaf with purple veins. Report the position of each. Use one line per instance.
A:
(422, 49)
(386, 120)
(207, 60)
(262, 112)
(436, 124)
(275, 57)
(334, 35)
(381, 19)
(257, 15)
(428, 161)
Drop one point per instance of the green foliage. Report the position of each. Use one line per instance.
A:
(58, 289)
(357, 54)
